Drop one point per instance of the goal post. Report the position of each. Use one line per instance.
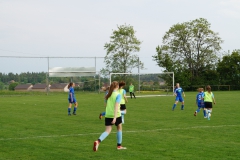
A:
(158, 83)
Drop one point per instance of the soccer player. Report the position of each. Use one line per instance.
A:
(178, 92)
(72, 99)
(131, 90)
(124, 100)
(200, 102)
(113, 116)
(208, 100)
(106, 92)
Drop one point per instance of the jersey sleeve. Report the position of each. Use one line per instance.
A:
(212, 95)
(124, 92)
(118, 98)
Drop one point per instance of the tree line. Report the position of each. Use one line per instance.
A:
(190, 49)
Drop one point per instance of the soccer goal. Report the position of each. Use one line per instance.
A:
(147, 84)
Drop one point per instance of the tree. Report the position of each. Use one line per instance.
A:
(1, 85)
(12, 86)
(188, 49)
(120, 58)
(229, 69)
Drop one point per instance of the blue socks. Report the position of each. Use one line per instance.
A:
(182, 107)
(204, 113)
(103, 136)
(103, 113)
(75, 109)
(119, 137)
(174, 106)
(69, 110)
(198, 110)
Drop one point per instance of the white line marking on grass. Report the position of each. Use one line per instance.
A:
(86, 134)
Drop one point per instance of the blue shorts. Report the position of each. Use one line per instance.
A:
(180, 99)
(200, 105)
(74, 100)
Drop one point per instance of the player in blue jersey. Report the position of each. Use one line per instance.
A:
(72, 99)
(200, 102)
(178, 92)
(106, 89)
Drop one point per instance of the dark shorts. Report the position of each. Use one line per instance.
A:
(108, 121)
(74, 100)
(208, 104)
(123, 107)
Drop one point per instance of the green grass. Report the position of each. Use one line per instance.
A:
(36, 127)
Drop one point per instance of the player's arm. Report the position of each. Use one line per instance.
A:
(183, 94)
(214, 101)
(71, 97)
(125, 97)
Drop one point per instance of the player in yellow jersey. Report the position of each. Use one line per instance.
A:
(208, 98)
(124, 100)
(112, 116)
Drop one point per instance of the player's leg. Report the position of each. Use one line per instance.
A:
(198, 110)
(134, 95)
(119, 134)
(75, 107)
(101, 115)
(123, 109)
(174, 105)
(131, 95)
(69, 108)
(182, 100)
(108, 129)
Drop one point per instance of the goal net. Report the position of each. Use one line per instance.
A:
(147, 84)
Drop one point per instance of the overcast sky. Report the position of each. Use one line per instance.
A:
(52, 28)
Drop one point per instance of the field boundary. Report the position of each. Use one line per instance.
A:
(136, 131)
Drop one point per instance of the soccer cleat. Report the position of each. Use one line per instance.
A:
(95, 146)
(205, 117)
(74, 113)
(121, 147)
(195, 113)
(69, 114)
(100, 116)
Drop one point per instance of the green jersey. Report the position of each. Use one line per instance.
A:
(131, 88)
(111, 101)
(122, 93)
(208, 97)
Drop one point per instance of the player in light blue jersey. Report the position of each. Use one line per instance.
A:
(72, 99)
(105, 101)
(178, 92)
(200, 102)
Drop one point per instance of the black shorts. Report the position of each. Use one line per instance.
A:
(207, 104)
(123, 107)
(108, 121)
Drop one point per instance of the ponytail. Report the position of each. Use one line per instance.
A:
(112, 87)
(70, 85)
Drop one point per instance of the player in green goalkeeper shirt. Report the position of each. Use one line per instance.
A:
(131, 90)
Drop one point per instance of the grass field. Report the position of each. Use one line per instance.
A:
(36, 127)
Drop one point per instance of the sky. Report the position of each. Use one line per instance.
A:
(80, 28)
